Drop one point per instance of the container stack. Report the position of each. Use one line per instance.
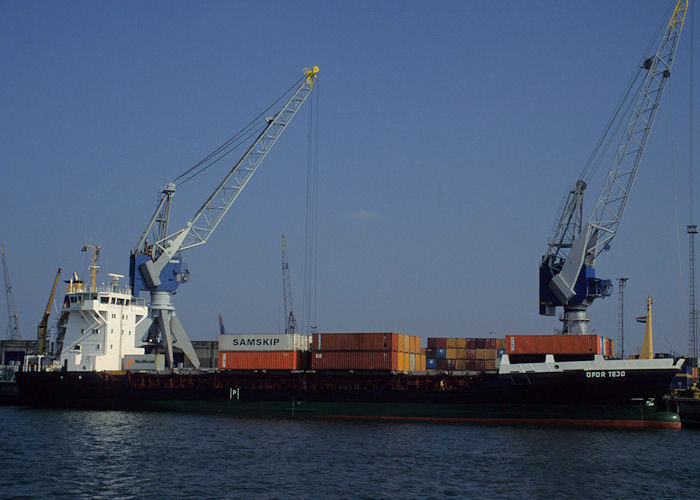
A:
(463, 353)
(366, 351)
(560, 344)
(687, 375)
(276, 351)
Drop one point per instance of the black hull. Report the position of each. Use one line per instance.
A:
(572, 397)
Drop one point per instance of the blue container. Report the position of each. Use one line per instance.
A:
(500, 352)
(441, 353)
(431, 364)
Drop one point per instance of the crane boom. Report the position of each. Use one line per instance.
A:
(157, 268)
(41, 331)
(567, 272)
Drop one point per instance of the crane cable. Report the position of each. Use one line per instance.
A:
(616, 120)
(252, 129)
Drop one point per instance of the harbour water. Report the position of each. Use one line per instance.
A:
(92, 454)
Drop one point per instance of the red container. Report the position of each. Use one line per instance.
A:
(431, 352)
(470, 354)
(432, 343)
(354, 360)
(441, 364)
(491, 344)
(471, 343)
(475, 365)
(553, 344)
(268, 360)
(366, 341)
(480, 343)
(440, 342)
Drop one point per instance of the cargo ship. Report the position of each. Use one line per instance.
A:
(102, 364)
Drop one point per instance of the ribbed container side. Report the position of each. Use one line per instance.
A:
(491, 344)
(489, 364)
(476, 365)
(451, 364)
(441, 342)
(264, 360)
(480, 343)
(451, 353)
(470, 354)
(405, 343)
(461, 353)
(481, 354)
(441, 364)
(430, 364)
(355, 360)
(364, 341)
(423, 361)
(412, 362)
(501, 343)
(471, 343)
(441, 353)
(451, 343)
(461, 364)
(431, 352)
(461, 343)
(553, 344)
(423, 351)
(432, 343)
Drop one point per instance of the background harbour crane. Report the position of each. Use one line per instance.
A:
(290, 321)
(13, 332)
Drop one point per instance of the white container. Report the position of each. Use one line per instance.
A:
(265, 342)
(136, 362)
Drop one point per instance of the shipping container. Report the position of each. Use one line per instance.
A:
(490, 353)
(501, 344)
(422, 363)
(470, 354)
(489, 364)
(461, 353)
(432, 343)
(412, 362)
(258, 342)
(471, 343)
(355, 360)
(441, 364)
(461, 364)
(451, 353)
(365, 341)
(263, 360)
(480, 343)
(430, 364)
(451, 364)
(461, 343)
(441, 342)
(553, 344)
(441, 353)
(491, 344)
(481, 354)
(431, 352)
(475, 365)
(451, 343)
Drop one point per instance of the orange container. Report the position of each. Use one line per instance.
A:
(451, 343)
(489, 364)
(461, 353)
(268, 360)
(355, 360)
(501, 344)
(480, 353)
(470, 354)
(461, 365)
(451, 353)
(461, 343)
(553, 344)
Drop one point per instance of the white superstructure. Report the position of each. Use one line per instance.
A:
(98, 328)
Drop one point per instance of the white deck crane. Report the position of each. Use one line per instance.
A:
(567, 270)
(157, 267)
(290, 321)
(13, 332)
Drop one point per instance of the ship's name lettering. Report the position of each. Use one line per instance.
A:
(244, 342)
(606, 374)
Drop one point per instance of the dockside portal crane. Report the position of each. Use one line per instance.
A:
(157, 266)
(567, 270)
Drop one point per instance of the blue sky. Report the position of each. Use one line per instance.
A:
(448, 133)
